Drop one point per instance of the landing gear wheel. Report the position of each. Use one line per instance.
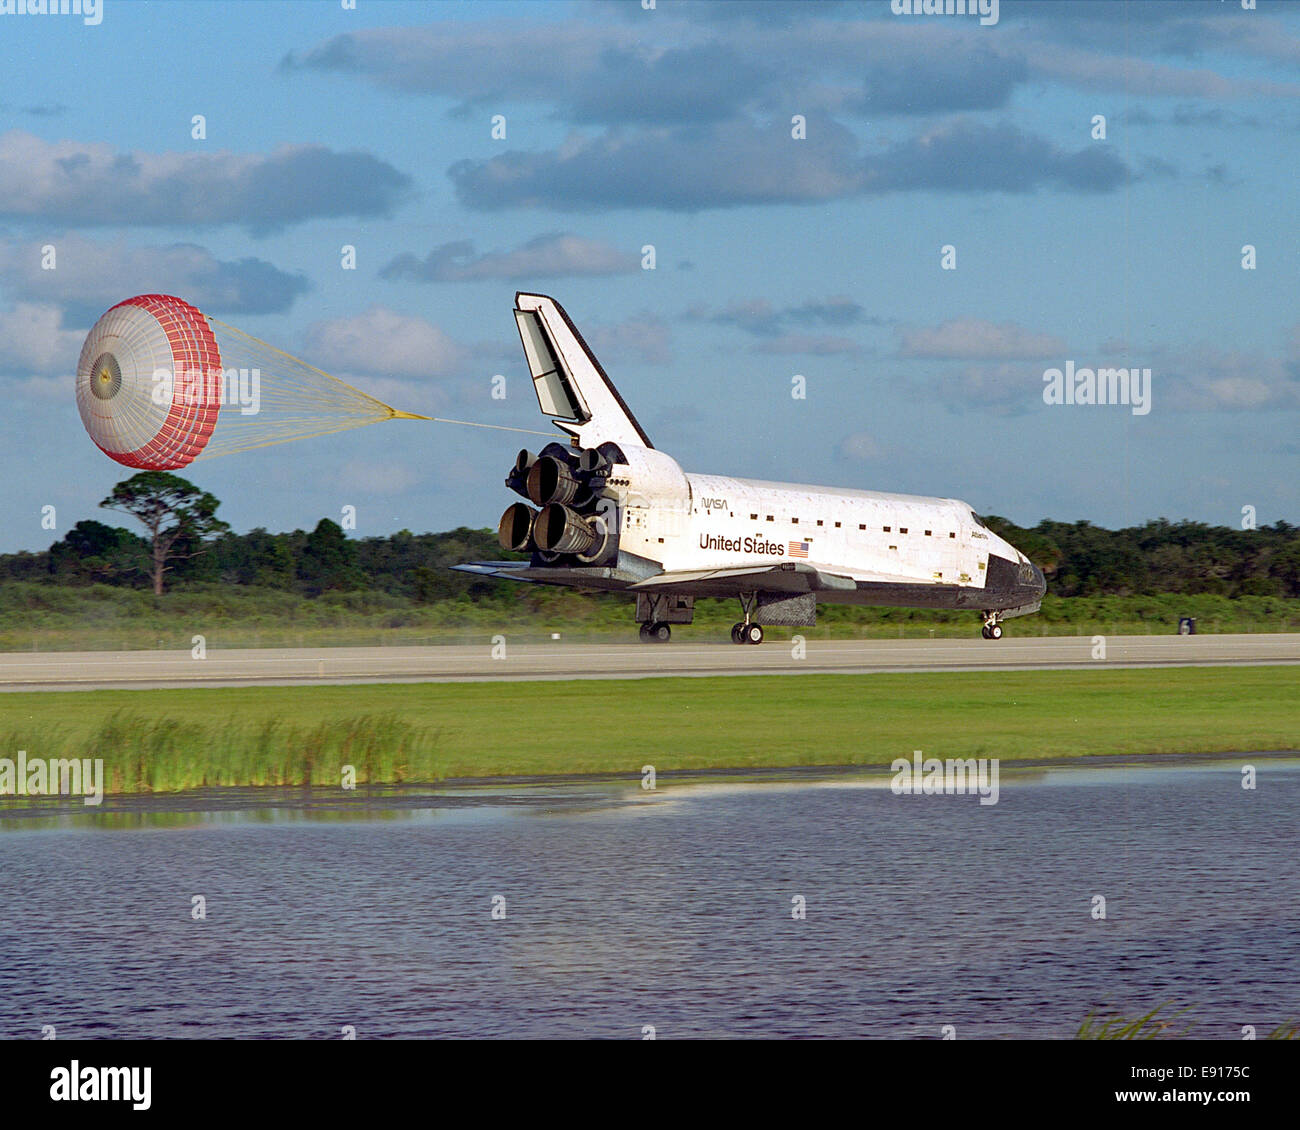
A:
(984, 631)
(645, 634)
(662, 633)
(995, 632)
(753, 633)
(737, 633)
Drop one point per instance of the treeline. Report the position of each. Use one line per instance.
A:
(416, 566)
(1079, 559)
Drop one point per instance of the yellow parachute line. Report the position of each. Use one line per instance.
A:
(299, 401)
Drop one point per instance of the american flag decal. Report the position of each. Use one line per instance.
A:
(798, 549)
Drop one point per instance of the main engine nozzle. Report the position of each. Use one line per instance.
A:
(559, 529)
(516, 527)
(517, 480)
(592, 462)
(551, 480)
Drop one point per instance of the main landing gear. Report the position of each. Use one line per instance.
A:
(656, 633)
(992, 629)
(747, 631)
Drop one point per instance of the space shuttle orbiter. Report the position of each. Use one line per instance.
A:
(610, 511)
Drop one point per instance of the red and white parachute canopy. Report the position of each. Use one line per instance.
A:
(152, 389)
(149, 382)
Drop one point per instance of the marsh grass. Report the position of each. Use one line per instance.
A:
(1150, 1026)
(1157, 1024)
(164, 740)
(164, 754)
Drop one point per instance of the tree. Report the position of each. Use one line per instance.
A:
(176, 513)
(328, 560)
(92, 551)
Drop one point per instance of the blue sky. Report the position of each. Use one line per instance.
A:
(774, 256)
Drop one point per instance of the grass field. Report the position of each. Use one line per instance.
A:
(163, 740)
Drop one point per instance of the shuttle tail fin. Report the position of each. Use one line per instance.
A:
(571, 386)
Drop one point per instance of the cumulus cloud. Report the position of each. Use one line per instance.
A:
(36, 110)
(643, 337)
(695, 108)
(974, 338)
(762, 318)
(969, 156)
(89, 276)
(860, 447)
(739, 163)
(34, 341)
(1188, 29)
(1208, 379)
(590, 73)
(1000, 388)
(979, 78)
(811, 344)
(703, 63)
(89, 183)
(685, 169)
(1203, 379)
(554, 255)
(382, 341)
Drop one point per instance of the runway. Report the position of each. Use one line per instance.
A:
(22, 671)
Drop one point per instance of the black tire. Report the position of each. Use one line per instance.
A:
(995, 632)
(662, 633)
(736, 637)
(754, 634)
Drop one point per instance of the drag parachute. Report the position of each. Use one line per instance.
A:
(130, 411)
(160, 384)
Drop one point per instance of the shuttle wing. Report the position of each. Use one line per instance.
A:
(788, 576)
(586, 576)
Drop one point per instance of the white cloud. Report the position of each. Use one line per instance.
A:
(86, 183)
(860, 447)
(89, 273)
(555, 255)
(380, 341)
(641, 338)
(34, 342)
(976, 339)
(817, 345)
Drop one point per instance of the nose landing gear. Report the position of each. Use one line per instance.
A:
(992, 629)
